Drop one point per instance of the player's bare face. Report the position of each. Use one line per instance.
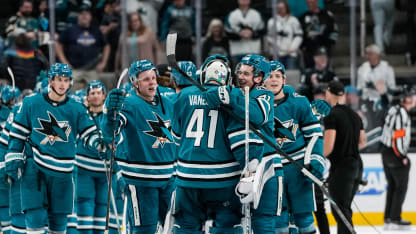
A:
(147, 85)
(275, 82)
(245, 76)
(60, 84)
(95, 97)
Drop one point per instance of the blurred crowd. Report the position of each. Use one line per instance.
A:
(302, 35)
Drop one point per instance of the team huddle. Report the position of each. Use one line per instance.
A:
(181, 158)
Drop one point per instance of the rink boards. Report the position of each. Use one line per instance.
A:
(371, 198)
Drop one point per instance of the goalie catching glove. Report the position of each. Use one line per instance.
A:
(245, 188)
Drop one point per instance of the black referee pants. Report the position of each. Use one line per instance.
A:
(397, 176)
(343, 183)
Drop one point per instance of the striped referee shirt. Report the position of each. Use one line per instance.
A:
(396, 130)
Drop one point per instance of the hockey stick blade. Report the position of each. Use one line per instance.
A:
(170, 53)
(10, 71)
(120, 78)
(171, 57)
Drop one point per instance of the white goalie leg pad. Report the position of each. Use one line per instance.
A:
(264, 172)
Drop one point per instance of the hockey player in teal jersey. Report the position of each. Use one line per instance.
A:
(180, 82)
(50, 122)
(207, 171)
(148, 168)
(91, 183)
(252, 72)
(9, 96)
(298, 133)
(11, 190)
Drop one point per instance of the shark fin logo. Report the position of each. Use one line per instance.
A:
(53, 130)
(160, 129)
(285, 131)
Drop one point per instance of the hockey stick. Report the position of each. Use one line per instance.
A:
(120, 79)
(11, 76)
(10, 71)
(171, 57)
(113, 152)
(113, 201)
(246, 206)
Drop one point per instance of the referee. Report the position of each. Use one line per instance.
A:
(344, 136)
(396, 141)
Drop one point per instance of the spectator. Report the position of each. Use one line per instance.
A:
(23, 20)
(319, 29)
(374, 75)
(288, 36)
(410, 32)
(344, 136)
(83, 47)
(352, 97)
(141, 42)
(110, 27)
(299, 7)
(396, 140)
(43, 34)
(148, 9)
(216, 42)
(42, 15)
(320, 74)
(25, 62)
(244, 27)
(383, 16)
(179, 18)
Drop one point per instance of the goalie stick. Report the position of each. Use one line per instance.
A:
(246, 206)
(171, 57)
(113, 152)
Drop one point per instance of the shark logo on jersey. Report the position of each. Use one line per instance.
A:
(285, 131)
(160, 130)
(53, 130)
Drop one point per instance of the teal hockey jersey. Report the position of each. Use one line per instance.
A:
(4, 114)
(51, 128)
(147, 156)
(261, 115)
(205, 159)
(4, 142)
(87, 160)
(297, 131)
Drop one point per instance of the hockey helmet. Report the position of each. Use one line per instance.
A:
(259, 63)
(216, 68)
(278, 66)
(189, 68)
(60, 69)
(140, 66)
(9, 93)
(79, 95)
(95, 84)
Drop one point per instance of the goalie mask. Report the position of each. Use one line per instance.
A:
(216, 68)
